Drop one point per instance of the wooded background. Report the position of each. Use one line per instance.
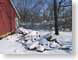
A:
(45, 14)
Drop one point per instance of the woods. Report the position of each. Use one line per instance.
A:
(44, 14)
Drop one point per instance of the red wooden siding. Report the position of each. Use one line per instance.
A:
(7, 17)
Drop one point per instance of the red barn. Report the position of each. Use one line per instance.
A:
(7, 18)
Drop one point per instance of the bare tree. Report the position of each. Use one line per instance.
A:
(57, 10)
(56, 17)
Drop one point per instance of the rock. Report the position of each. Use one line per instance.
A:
(40, 48)
(27, 37)
(49, 38)
(54, 45)
(33, 45)
(34, 36)
(28, 43)
(22, 30)
(47, 47)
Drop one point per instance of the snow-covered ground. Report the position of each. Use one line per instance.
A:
(26, 41)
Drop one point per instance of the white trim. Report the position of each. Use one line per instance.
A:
(15, 9)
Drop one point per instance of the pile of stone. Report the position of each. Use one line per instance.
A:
(32, 40)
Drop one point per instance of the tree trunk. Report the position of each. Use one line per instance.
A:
(56, 18)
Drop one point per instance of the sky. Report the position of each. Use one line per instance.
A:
(30, 3)
(35, 6)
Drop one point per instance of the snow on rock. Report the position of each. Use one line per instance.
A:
(22, 30)
(54, 45)
(34, 45)
(45, 43)
(28, 43)
(40, 48)
(34, 35)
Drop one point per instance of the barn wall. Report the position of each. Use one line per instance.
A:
(7, 17)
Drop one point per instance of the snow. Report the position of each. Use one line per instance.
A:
(25, 42)
(10, 47)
